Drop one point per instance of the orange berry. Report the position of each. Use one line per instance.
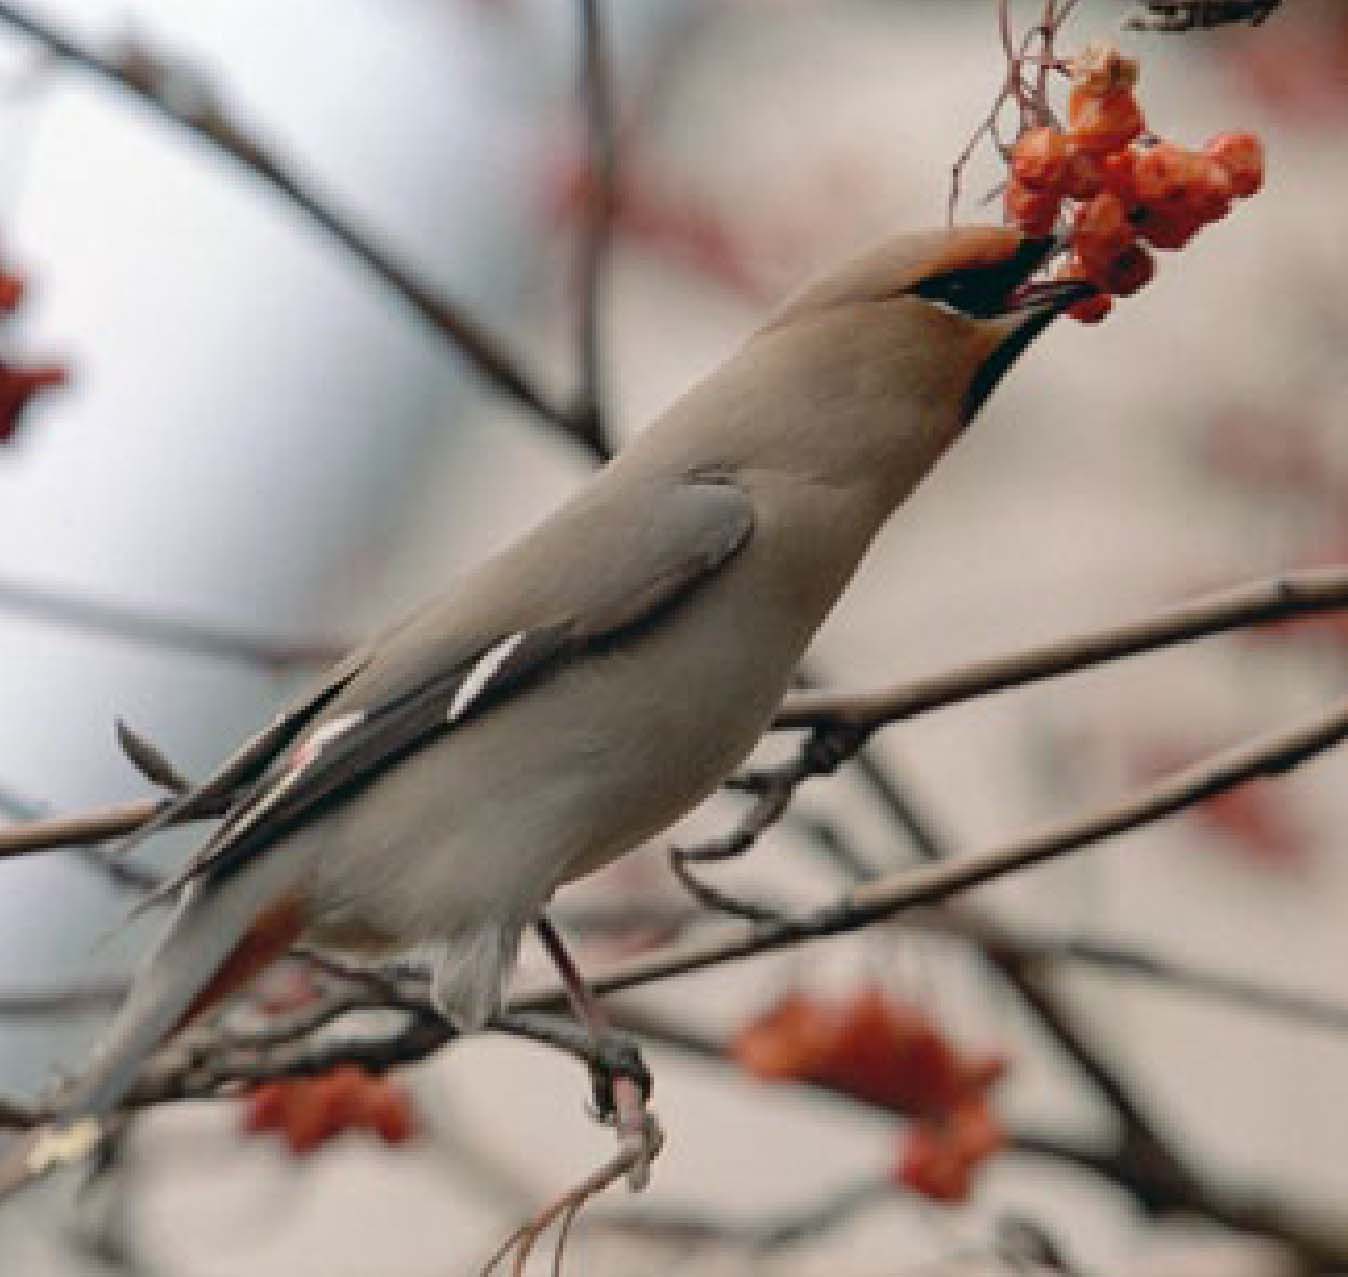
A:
(1242, 156)
(1130, 271)
(1169, 228)
(932, 1165)
(11, 291)
(1117, 176)
(1101, 231)
(985, 1071)
(891, 1054)
(265, 1106)
(788, 1041)
(308, 1118)
(1209, 195)
(1035, 212)
(1039, 159)
(1162, 173)
(1100, 67)
(389, 1111)
(1084, 178)
(343, 1091)
(1103, 122)
(975, 1131)
(1091, 310)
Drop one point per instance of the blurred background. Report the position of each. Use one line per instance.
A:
(262, 444)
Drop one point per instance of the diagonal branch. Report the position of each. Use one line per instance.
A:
(1293, 594)
(141, 625)
(87, 827)
(596, 238)
(180, 95)
(884, 897)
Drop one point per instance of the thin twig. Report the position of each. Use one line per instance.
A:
(1281, 598)
(181, 95)
(37, 1004)
(55, 832)
(152, 629)
(118, 873)
(1129, 963)
(842, 723)
(596, 86)
(1041, 1001)
(1273, 753)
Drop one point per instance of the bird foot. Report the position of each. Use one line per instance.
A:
(640, 1139)
(622, 1086)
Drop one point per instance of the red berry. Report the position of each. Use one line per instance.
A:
(984, 1072)
(788, 1041)
(1103, 122)
(389, 1111)
(1209, 194)
(1242, 156)
(1084, 178)
(1162, 173)
(1168, 228)
(308, 1118)
(1131, 271)
(1101, 231)
(1035, 212)
(1091, 310)
(343, 1091)
(1100, 67)
(265, 1106)
(1039, 160)
(1117, 176)
(893, 1055)
(932, 1165)
(975, 1131)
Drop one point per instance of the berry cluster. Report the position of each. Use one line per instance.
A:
(1124, 189)
(18, 385)
(309, 1111)
(893, 1055)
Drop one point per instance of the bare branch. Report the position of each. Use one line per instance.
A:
(35, 1004)
(118, 620)
(87, 827)
(185, 97)
(1271, 754)
(1131, 963)
(596, 80)
(1294, 594)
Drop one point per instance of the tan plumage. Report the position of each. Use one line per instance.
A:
(583, 689)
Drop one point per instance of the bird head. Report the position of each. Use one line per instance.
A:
(950, 310)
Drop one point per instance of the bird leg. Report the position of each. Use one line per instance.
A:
(622, 1082)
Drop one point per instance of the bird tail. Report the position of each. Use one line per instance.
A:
(212, 945)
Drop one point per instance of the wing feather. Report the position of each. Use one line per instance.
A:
(322, 760)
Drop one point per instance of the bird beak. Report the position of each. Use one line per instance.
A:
(1024, 311)
(1023, 298)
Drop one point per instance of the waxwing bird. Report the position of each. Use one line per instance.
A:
(589, 685)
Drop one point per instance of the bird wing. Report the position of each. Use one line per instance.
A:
(659, 545)
(247, 762)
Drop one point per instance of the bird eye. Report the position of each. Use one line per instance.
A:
(976, 293)
(983, 291)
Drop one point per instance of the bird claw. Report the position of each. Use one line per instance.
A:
(614, 1057)
(622, 1088)
(642, 1144)
(640, 1139)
